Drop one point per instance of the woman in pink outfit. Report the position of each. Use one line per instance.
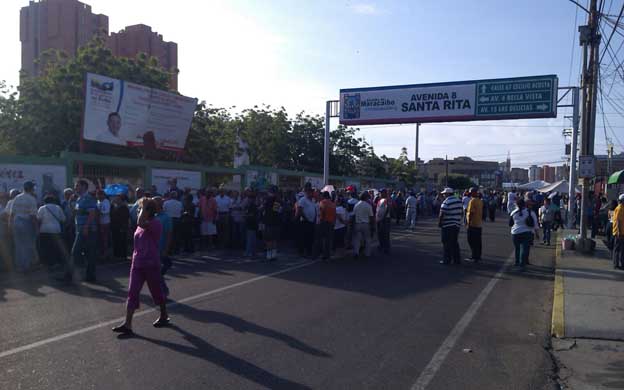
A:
(145, 266)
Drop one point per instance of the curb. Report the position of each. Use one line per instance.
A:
(557, 328)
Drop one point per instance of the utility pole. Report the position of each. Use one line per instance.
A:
(446, 170)
(416, 147)
(573, 147)
(590, 40)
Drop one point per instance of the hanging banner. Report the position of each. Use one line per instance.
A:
(514, 98)
(123, 113)
(48, 179)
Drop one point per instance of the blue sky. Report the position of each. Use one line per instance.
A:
(299, 53)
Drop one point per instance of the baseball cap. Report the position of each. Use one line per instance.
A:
(447, 190)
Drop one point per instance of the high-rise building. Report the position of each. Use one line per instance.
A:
(56, 24)
(534, 173)
(69, 24)
(548, 174)
(140, 38)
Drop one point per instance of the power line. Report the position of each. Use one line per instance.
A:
(580, 6)
(611, 36)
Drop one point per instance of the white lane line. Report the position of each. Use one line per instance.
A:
(440, 356)
(147, 311)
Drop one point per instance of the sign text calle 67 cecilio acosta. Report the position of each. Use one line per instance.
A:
(514, 98)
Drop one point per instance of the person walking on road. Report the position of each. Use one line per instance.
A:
(523, 223)
(145, 266)
(474, 218)
(618, 234)
(411, 207)
(451, 215)
(546, 219)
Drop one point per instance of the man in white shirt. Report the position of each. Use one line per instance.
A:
(411, 210)
(364, 225)
(104, 208)
(465, 201)
(307, 215)
(51, 218)
(224, 206)
(173, 208)
(511, 201)
(383, 220)
(23, 223)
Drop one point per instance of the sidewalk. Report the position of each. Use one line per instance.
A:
(588, 319)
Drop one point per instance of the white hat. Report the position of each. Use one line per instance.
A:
(448, 190)
(621, 198)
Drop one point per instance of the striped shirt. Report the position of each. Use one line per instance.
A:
(452, 212)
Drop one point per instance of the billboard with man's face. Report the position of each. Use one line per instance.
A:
(123, 113)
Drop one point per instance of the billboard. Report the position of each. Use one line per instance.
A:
(513, 98)
(48, 179)
(123, 113)
(161, 178)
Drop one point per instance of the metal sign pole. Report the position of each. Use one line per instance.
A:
(326, 144)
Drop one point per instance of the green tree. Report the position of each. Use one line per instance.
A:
(212, 137)
(9, 118)
(456, 181)
(267, 134)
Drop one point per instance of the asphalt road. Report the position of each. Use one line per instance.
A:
(391, 322)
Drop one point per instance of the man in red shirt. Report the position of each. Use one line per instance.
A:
(327, 221)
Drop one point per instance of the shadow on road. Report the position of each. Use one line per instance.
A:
(203, 350)
(242, 326)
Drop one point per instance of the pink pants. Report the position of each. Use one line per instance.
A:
(138, 276)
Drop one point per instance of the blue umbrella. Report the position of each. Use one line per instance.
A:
(116, 189)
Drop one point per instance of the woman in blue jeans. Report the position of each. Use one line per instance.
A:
(523, 224)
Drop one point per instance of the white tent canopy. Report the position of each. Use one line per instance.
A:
(561, 187)
(534, 185)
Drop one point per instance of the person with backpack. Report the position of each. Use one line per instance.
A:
(523, 223)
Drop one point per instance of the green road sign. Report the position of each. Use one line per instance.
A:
(520, 97)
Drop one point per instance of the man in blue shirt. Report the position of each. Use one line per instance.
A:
(165, 242)
(85, 243)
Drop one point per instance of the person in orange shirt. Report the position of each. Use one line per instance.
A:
(618, 234)
(474, 221)
(327, 221)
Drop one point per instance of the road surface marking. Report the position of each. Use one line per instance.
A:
(440, 356)
(147, 311)
(557, 328)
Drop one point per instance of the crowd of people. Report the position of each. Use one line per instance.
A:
(87, 227)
